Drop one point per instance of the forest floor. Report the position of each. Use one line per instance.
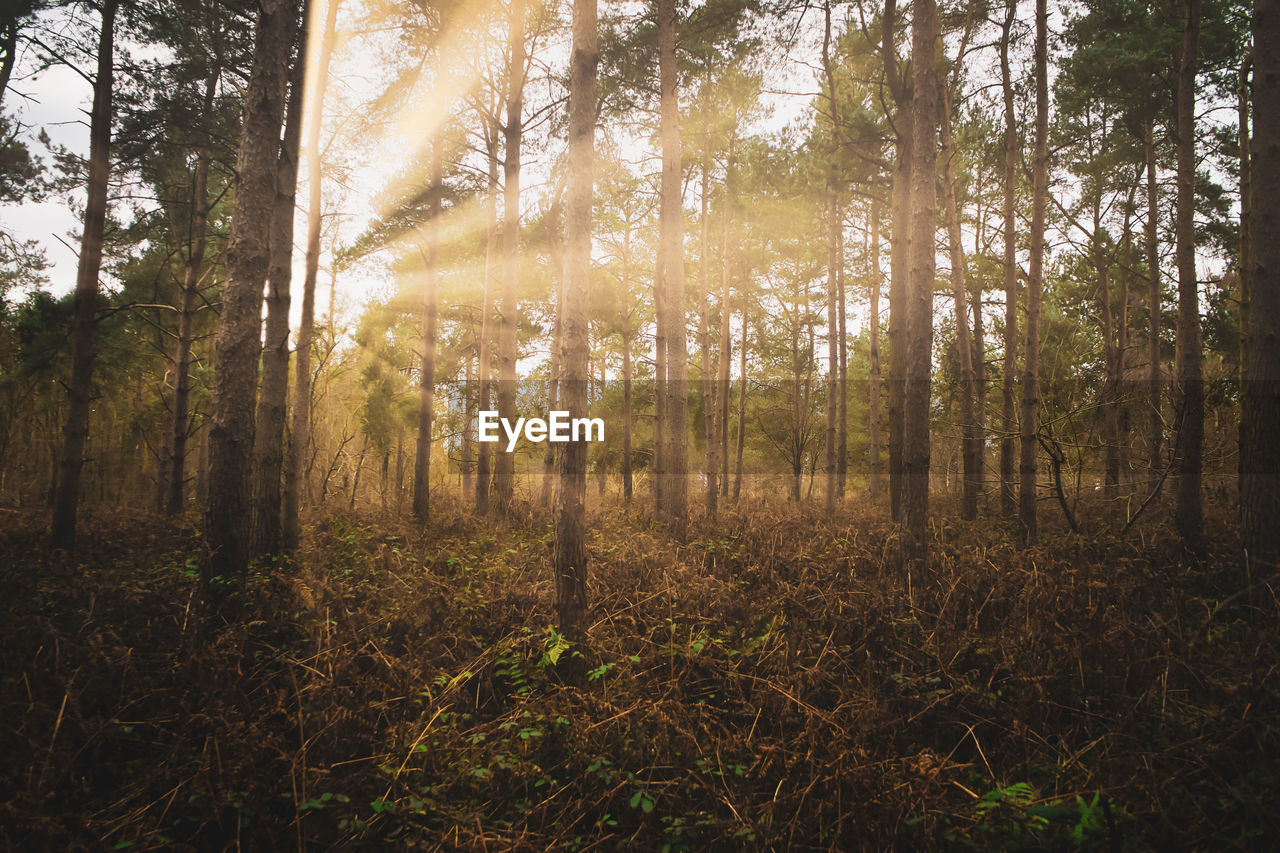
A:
(772, 684)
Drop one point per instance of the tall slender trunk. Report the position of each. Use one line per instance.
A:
(1035, 285)
(831, 471)
(704, 336)
(970, 441)
(273, 396)
(1110, 411)
(1154, 310)
(873, 372)
(180, 426)
(1124, 426)
(676, 426)
(1245, 262)
(742, 406)
(602, 470)
(627, 480)
(833, 347)
(9, 46)
(919, 319)
(427, 374)
(76, 427)
(553, 372)
(486, 313)
(842, 383)
(1188, 514)
(570, 547)
(726, 336)
(1008, 412)
(300, 429)
(504, 470)
(238, 340)
(1260, 444)
(468, 419)
(355, 482)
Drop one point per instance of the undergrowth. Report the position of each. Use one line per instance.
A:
(771, 684)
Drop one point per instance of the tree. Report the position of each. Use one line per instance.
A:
(918, 327)
(1189, 422)
(1035, 285)
(1260, 411)
(504, 471)
(672, 347)
(79, 389)
(300, 427)
(1008, 420)
(273, 396)
(570, 547)
(238, 340)
(427, 372)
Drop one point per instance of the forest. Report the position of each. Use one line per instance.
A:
(609, 424)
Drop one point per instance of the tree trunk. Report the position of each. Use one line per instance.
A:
(504, 470)
(971, 447)
(1260, 445)
(427, 374)
(742, 406)
(671, 226)
(831, 468)
(919, 307)
(1035, 285)
(273, 396)
(726, 335)
(238, 340)
(1008, 413)
(1188, 514)
(704, 338)
(486, 313)
(553, 377)
(180, 427)
(1156, 457)
(842, 384)
(76, 428)
(873, 372)
(300, 428)
(570, 533)
(468, 419)
(627, 482)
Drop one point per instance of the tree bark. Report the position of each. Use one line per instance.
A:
(504, 470)
(1156, 456)
(971, 440)
(842, 384)
(742, 407)
(671, 259)
(273, 395)
(873, 371)
(238, 339)
(1188, 514)
(300, 427)
(80, 389)
(427, 373)
(180, 426)
(899, 260)
(1008, 413)
(570, 533)
(1035, 285)
(919, 307)
(704, 338)
(553, 371)
(483, 484)
(1260, 444)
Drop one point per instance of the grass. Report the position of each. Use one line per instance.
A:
(771, 684)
